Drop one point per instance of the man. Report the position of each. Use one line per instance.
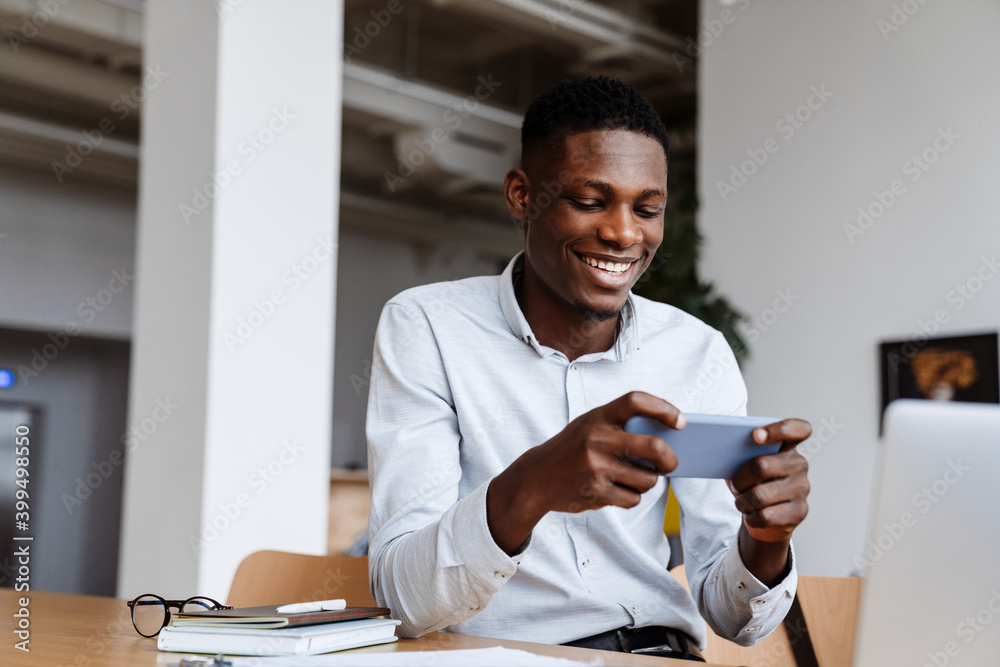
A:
(503, 503)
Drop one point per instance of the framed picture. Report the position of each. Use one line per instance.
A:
(957, 368)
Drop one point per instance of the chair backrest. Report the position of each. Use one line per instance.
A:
(279, 577)
(830, 608)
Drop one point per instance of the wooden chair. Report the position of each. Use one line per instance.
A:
(829, 606)
(279, 577)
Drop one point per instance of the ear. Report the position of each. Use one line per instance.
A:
(517, 193)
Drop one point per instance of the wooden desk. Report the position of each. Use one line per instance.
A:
(85, 631)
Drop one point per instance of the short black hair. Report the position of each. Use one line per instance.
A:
(583, 105)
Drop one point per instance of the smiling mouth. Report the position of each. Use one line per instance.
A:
(611, 268)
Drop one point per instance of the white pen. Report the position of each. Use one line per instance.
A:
(319, 605)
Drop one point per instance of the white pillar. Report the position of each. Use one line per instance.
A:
(232, 361)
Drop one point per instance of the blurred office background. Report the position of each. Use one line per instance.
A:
(204, 206)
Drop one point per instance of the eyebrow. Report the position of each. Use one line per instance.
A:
(607, 189)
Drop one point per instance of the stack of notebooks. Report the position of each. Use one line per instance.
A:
(264, 631)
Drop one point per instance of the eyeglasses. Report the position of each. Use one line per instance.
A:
(151, 613)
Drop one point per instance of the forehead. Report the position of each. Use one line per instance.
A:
(619, 157)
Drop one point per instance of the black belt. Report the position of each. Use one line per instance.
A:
(654, 640)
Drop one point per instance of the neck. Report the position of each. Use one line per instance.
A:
(560, 325)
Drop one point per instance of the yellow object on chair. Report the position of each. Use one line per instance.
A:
(672, 519)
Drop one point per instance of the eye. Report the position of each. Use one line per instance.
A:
(584, 204)
(646, 212)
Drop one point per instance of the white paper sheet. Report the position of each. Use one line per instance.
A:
(481, 657)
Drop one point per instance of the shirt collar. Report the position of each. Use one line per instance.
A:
(625, 345)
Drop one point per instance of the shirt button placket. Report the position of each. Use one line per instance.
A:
(575, 398)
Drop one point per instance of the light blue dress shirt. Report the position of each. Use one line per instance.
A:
(460, 388)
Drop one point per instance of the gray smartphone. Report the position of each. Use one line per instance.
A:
(709, 446)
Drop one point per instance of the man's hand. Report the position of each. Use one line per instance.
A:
(771, 493)
(582, 467)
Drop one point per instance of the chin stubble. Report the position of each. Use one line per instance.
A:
(595, 315)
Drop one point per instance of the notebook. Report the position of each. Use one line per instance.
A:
(267, 616)
(303, 640)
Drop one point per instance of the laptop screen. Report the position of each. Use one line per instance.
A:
(932, 558)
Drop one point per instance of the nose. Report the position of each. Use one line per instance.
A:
(619, 227)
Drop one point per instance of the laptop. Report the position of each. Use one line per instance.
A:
(932, 594)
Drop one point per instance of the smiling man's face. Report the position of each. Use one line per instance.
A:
(588, 247)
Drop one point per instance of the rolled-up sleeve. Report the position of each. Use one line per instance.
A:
(432, 559)
(732, 600)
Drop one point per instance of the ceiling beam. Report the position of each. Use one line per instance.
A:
(601, 33)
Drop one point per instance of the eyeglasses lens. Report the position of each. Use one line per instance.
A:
(197, 604)
(149, 615)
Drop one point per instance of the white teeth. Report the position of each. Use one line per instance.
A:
(610, 267)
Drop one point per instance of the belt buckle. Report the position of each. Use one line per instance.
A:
(672, 647)
(662, 648)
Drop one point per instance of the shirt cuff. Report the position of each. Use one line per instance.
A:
(766, 606)
(485, 562)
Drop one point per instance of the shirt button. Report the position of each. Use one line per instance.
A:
(741, 585)
(476, 608)
(498, 574)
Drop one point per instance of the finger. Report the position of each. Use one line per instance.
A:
(785, 515)
(775, 492)
(621, 496)
(788, 432)
(760, 469)
(650, 449)
(634, 476)
(640, 403)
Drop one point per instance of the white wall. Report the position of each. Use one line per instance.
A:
(783, 229)
(59, 246)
